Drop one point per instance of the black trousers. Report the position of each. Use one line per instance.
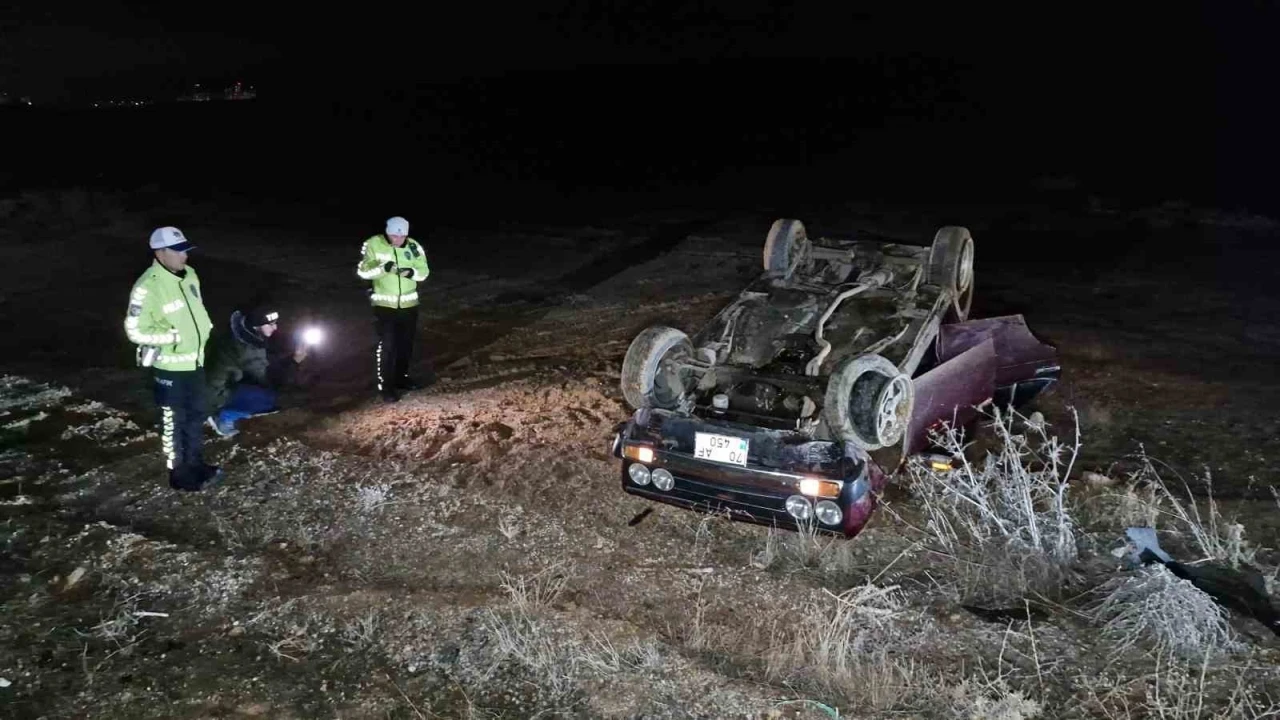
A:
(396, 332)
(180, 395)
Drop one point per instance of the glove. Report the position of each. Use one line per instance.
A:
(405, 272)
(388, 265)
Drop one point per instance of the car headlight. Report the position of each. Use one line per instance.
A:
(663, 479)
(798, 507)
(829, 513)
(639, 474)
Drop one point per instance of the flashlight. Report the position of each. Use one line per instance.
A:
(312, 336)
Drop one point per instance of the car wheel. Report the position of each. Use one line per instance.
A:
(869, 402)
(951, 268)
(652, 372)
(786, 242)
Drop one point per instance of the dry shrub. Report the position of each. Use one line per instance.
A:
(1005, 520)
(1155, 608)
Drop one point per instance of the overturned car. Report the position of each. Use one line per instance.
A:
(843, 348)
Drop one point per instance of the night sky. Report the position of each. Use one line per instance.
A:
(57, 49)
(1195, 78)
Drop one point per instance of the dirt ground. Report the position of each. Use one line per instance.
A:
(468, 552)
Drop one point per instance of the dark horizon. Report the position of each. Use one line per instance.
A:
(1136, 101)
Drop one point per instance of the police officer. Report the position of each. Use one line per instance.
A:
(396, 263)
(168, 322)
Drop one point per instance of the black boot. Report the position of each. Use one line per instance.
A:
(187, 477)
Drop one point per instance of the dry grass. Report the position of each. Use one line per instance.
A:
(528, 634)
(300, 638)
(1146, 500)
(537, 592)
(838, 647)
(362, 631)
(1005, 521)
(1154, 608)
(1180, 689)
(803, 548)
(859, 650)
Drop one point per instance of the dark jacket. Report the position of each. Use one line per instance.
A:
(241, 356)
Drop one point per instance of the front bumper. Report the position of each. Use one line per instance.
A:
(778, 465)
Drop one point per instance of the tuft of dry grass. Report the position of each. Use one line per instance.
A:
(362, 631)
(856, 650)
(838, 647)
(556, 657)
(1005, 521)
(531, 594)
(1182, 689)
(1147, 500)
(1155, 607)
(301, 638)
(803, 548)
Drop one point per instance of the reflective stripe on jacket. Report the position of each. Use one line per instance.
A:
(167, 311)
(389, 288)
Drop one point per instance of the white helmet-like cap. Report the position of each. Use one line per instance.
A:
(170, 238)
(397, 226)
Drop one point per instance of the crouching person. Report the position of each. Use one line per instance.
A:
(242, 380)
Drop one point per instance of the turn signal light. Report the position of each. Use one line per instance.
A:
(939, 462)
(638, 453)
(819, 488)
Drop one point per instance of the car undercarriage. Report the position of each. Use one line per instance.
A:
(817, 363)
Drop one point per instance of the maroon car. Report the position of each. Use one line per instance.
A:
(840, 349)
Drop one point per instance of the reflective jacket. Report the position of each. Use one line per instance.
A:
(167, 311)
(390, 290)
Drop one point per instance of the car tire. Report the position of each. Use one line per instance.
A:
(786, 240)
(648, 378)
(951, 268)
(869, 402)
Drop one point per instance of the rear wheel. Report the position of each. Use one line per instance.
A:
(654, 371)
(869, 402)
(951, 268)
(786, 243)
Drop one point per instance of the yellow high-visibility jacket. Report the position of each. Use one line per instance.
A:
(390, 289)
(167, 311)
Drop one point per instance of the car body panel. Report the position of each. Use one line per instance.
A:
(951, 392)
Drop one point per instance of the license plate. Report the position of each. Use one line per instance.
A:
(720, 448)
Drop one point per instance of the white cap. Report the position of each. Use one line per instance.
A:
(170, 238)
(397, 226)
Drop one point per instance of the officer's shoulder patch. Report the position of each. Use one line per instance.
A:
(135, 309)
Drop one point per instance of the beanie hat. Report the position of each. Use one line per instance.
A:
(261, 315)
